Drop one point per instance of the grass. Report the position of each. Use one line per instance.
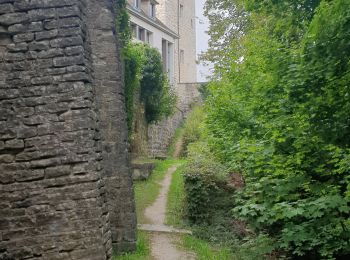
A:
(147, 191)
(204, 251)
(175, 202)
(178, 134)
(142, 249)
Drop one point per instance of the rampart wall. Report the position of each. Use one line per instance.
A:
(65, 184)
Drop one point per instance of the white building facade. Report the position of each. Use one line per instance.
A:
(170, 27)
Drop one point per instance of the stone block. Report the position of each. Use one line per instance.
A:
(6, 8)
(27, 132)
(141, 171)
(55, 172)
(45, 35)
(13, 18)
(41, 14)
(23, 37)
(6, 158)
(66, 42)
(39, 46)
(14, 144)
(68, 61)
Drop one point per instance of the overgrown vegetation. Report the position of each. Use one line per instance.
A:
(278, 128)
(133, 59)
(192, 129)
(155, 92)
(144, 77)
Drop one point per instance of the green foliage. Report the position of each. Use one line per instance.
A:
(158, 99)
(143, 73)
(192, 130)
(122, 22)
(205, 181)
(280, 115)
(133, 60)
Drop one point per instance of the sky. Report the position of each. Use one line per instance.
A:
(202, 39)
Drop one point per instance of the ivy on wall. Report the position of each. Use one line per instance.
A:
(143, 72)
(156, 95)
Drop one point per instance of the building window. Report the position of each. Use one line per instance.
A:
(134, 30)
(152, 10)
(137, 4)
(168, 59)
(141, 34)
(149, 38)
(181, 10)
(182, 56)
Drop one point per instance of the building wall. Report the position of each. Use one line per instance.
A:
(167, 13)
(187, 42)
(160, 134)
(183, 23)
(158, 35)
(65, 187)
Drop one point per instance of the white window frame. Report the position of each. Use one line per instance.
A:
(137, 4)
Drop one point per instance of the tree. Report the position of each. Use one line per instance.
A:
(280, 115)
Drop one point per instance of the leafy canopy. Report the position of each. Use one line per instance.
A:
(279, 113)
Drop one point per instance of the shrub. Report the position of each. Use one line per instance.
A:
(192, 130)
(156, 94)
(204, 180)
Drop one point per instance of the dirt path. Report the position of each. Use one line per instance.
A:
(163, 245)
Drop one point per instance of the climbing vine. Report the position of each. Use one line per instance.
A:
(143, 73)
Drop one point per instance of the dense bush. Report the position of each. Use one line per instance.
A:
(156, 94)
(280, 115)
(204, 180)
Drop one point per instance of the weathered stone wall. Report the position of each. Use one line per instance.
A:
(112, 118)
(160, 134)
(65, 184)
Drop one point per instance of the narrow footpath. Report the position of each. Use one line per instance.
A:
(164, 239)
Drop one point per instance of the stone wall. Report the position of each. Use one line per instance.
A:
(161, 134)
(65, 184)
